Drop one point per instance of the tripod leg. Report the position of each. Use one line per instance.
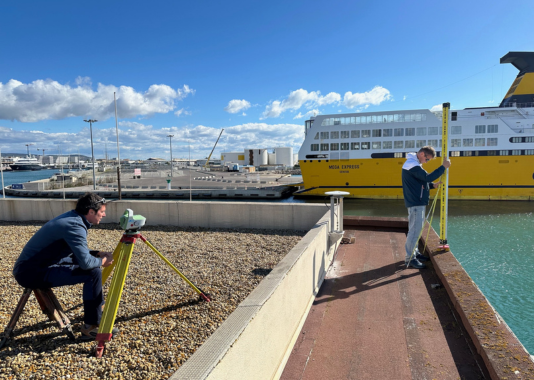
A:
(196, 289)
(107, 270)
(59, 315)
(16, 315)
(114, 296)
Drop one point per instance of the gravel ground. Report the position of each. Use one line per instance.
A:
(160, 318)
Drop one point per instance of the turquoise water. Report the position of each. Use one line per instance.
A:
(494, 241)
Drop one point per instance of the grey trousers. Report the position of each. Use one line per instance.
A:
(416, 220)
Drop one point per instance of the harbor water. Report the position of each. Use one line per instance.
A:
(494, 241)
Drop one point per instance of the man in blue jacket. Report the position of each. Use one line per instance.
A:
(416, 184)
(58, 255)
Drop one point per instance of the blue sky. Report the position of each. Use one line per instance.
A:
(256, 69)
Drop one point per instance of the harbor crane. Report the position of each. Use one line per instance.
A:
(208, 160)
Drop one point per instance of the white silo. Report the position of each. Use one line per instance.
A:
(256, 157)
(235, 157)
(272, 158)
(284, 156)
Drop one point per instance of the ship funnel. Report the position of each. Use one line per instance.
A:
(521, 93)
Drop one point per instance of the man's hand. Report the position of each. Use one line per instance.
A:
(437, 184)
(107, 258)
(446, 163)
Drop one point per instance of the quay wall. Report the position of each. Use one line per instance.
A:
(295, 216)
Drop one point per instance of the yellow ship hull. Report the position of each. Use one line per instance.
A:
(470, 178)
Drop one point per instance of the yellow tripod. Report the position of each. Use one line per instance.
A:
(121, 260)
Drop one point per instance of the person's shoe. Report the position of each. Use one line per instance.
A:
(89, 332)
(414, 263)
(420, 257)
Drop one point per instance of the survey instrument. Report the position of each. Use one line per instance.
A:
(122, 255)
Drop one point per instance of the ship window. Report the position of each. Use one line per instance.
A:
(432, 130)
(314, 147)
(529, 139)
(423, 117)
(420, 143)
(344, 134)
(455, 143)
(478, 142)
(324, 135)
(366, 145)
(418, 117)
(385, 118)
(377, 133)
(334, 156)
(355, 146)
(468, 153)
(421, 131)
(337, 121)
(387, 132)
(344, 120)
(354, 134)
(433, 142)
(439, 143)
(454, 115)
(480, 129)
(456, 130)
(396, 118)
(516, 139)
(334, 135)
(493, 128)
(366, 133)
(358, 119)
(529, 152)
(390, 118)
(324, 147)
(398, 155)
(468, 142)
(399, 131)
(377, 144)
(399, 144)
(492, 141)
(492, 152)
(316, 136)
(324, 122)
(455, 154)
(410, 131)
(344, 146)
(334, 146)
(503, 153)
(353, 120)
(516, 152)
(387, 144)
(409, 144)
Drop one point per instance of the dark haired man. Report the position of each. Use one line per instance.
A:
(58, 255)
(416, 184)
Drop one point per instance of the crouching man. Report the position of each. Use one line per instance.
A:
(58, 255)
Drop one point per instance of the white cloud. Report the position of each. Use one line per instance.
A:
(437, 108)
(236, 105)
(297, 99)
(51, 100)
(182, 111)
(376, 96)
(307, 114)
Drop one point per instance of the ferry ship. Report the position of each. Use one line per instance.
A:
(28, 163)
(491, 149)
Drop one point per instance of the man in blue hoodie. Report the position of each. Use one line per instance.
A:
(58, 255)
(416, 185)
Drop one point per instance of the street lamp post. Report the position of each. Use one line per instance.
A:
(43, 157)
(91, 121)
(170, 143)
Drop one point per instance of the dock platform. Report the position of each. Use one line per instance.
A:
(375, 319)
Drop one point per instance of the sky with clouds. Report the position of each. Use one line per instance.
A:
(258, 70)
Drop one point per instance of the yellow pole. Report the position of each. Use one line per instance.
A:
(114, 295)
(107, 270)
(445, 179)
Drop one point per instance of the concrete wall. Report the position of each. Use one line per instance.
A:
(257, 338)
(295, 216)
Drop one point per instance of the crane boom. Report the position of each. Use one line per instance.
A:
(208, 160)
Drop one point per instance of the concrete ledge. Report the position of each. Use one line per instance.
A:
(296, 216)
(504, 355)
(256, 339)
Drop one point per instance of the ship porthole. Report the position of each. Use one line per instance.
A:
(346, 183)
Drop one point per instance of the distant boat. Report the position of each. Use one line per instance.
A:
(28, 163)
